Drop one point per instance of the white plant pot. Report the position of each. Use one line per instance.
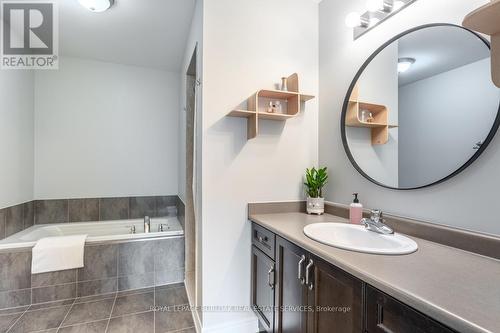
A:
(315, 206)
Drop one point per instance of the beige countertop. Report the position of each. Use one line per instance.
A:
(457, 288)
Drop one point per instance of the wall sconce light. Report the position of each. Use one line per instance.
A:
(377, 12)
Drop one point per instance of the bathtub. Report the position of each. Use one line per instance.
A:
(100, 231)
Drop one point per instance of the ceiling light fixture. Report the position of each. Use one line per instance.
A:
(374, 21)
(378, 12)
(96, 6)
(353, 20)
(404, 64)
(397, 5)
(375, 5)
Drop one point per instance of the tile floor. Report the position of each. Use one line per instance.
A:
(151, 310)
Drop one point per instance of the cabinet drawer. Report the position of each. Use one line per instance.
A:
(263, 239)
(385, 314)
(263, 282)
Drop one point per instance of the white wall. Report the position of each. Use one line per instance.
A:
(453, 120)
(455, 202)
(104, 129)
(378, 84)
(16, 137)
(250, 45)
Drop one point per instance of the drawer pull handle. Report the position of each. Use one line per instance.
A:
(308, 268)
(300, 277)
(271, 284)
(262, 239)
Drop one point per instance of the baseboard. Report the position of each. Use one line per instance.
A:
(194, 313)
(248, 325)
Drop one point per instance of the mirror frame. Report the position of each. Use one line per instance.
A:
(485, 144)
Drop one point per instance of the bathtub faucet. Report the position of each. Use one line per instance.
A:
(147, 224)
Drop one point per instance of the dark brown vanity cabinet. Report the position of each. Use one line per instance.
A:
(385, 314)
(291, 293)
(294, 291)
(263, 275)
(314, 296)
(336, 298)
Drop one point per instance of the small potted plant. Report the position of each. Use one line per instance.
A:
(315, 180)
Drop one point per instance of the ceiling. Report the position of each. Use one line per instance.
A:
(150, 33)
(437, 50)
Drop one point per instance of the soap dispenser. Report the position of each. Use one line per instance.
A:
(355, 210)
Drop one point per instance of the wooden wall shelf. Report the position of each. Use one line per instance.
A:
(486, 20)
(257, 105)
(379, 126)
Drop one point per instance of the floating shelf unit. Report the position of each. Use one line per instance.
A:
(486, 20)
(379, 126)
(256, 104)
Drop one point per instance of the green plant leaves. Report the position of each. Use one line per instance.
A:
(315, 180)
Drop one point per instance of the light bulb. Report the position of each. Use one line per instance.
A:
(404, 64)
(374, 21)
(397, 5)
(96, 6)
(353, 20)
(375, 5)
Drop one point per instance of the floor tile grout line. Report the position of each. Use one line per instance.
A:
(67, 299)
(67, 313)
(102, 319)
(49, 307)
(21, 309)
(17, 320)
(115, 296)
(111, 317)
(54, 285)
(84, 323)
(181, 329)
(110, 313)
(78, 300)
(116, 292)
(132, 314)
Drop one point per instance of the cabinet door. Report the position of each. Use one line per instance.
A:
(263, 276)
(336, 299)
(291, 294)
(385, 314)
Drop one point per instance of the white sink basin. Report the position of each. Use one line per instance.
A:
(357, 238)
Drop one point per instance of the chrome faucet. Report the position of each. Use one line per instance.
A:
(147, 224)
(375, 223)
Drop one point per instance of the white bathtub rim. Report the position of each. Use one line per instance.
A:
(96, 239)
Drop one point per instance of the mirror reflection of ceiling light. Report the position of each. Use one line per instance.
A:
(96, 6)
(404, 64)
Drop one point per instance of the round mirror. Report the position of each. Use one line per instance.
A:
(422, 108)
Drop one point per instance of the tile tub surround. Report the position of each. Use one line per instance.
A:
(487, 245)
(101, 209)
(159, 309)
(109, 267)
(17, 218)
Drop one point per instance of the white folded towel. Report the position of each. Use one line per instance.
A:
(57, 253)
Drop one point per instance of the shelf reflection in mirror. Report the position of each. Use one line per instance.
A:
(418, 127)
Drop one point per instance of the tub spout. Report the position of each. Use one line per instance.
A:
(147, 224)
